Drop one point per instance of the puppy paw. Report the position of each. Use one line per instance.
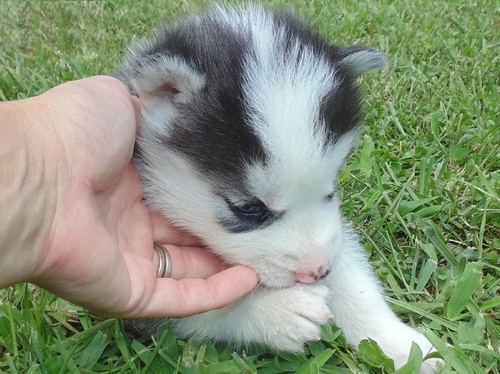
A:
(397, 343)
(294, 315)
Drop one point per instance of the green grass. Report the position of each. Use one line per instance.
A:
(422, 186)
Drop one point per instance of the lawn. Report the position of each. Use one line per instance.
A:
(422, 187)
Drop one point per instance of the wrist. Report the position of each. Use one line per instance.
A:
(28, 192)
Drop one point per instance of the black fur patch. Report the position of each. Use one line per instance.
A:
(341, 108)
(214, 135)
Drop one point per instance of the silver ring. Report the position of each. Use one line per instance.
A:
(165, 263)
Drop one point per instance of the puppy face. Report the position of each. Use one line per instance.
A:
(247, 119)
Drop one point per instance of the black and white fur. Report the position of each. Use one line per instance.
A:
(248, 116)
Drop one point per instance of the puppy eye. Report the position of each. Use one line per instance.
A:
(248, 216)
(251, 211)
(332, 194)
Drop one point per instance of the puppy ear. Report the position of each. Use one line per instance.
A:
(167, 78)
(162, 82)
(359, 60)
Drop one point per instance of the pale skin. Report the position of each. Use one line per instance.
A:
(72, 218)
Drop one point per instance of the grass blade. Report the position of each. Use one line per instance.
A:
(466, 285)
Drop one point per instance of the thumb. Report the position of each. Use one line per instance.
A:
(185, 297)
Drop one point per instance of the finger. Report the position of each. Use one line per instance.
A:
(172, 298)
(193, 262)
(165, 233)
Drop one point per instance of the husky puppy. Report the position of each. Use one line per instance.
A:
(248, 116)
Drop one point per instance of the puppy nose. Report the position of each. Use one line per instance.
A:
(311, 276)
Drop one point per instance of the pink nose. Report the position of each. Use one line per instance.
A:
(312, 276)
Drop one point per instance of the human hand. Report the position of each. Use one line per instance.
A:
(98, 251)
